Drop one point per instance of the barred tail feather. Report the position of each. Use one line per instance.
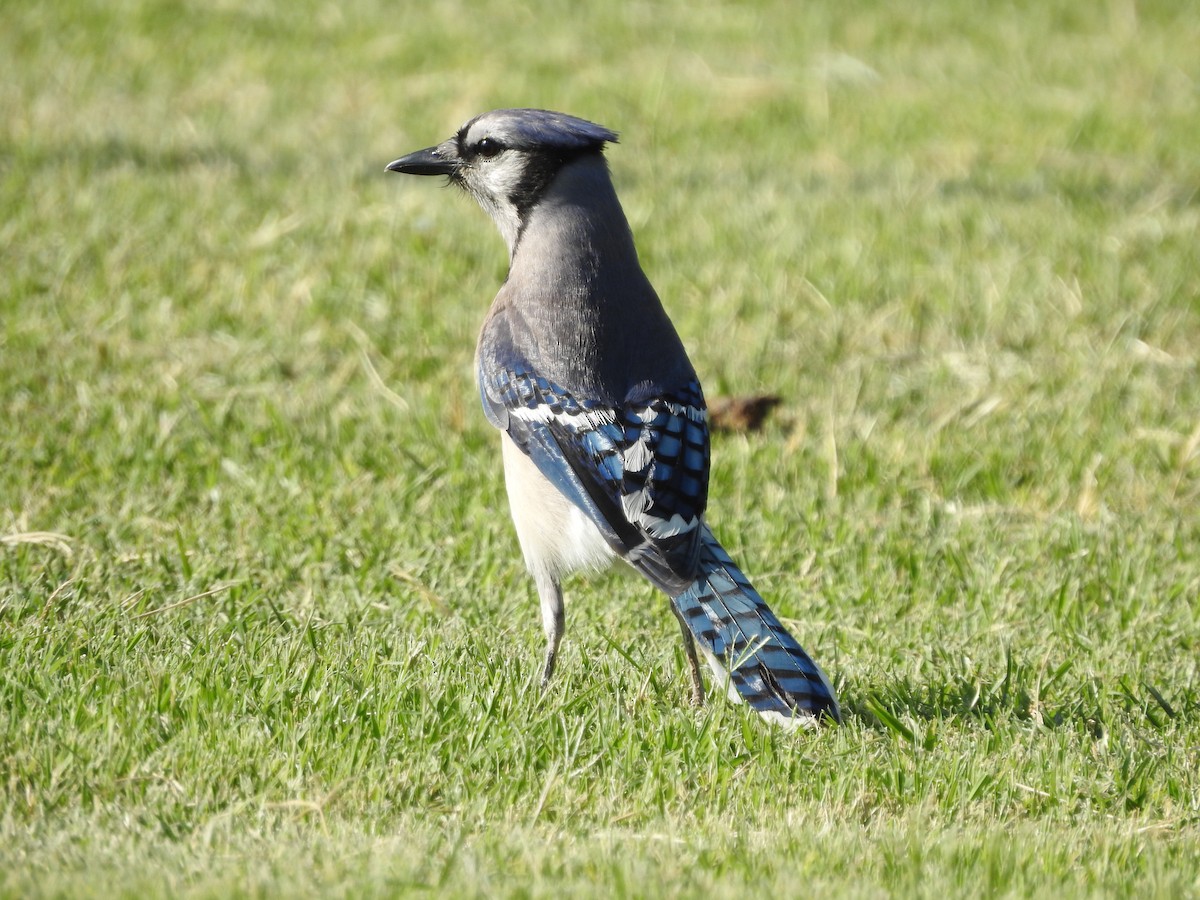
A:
(748, 648)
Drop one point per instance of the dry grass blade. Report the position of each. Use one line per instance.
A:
(52, 539)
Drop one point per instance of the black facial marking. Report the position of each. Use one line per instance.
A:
(540, 168)
(485, 148)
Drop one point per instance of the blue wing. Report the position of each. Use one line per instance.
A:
(638, 468)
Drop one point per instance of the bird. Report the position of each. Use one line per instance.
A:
(604, 429)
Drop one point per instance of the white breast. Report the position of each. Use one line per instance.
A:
(556, 536)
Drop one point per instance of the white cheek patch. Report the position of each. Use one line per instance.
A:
(492, 182)
(504, 174)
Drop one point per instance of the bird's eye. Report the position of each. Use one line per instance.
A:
(488, 147)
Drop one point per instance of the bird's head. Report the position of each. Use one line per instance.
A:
(507, 158)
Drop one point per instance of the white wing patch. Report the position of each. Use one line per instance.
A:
(636, 456)
(639, 457)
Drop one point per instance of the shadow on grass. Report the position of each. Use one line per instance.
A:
(1023, 694)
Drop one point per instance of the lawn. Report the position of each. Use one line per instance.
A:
(264, 626)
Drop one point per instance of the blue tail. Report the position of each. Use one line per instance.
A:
(748, 648)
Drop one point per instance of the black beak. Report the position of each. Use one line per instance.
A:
(430, 161)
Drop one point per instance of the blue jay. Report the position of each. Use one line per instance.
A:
(604, 429)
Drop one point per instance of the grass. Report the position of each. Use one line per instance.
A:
(263, 624)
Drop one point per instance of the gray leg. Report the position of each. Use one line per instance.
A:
(553, 623)
(689, 648)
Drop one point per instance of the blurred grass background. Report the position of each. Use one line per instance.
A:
(263, 624)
